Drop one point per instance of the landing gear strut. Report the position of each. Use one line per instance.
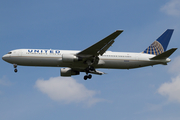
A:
(15, 66)
(90, 67)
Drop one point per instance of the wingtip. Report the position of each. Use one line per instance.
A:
(119, 30)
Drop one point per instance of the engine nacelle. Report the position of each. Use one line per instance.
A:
(69, 58)
(67, 72)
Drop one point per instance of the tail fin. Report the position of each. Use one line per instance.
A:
(160, 45)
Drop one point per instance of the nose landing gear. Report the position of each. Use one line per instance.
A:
(15, 68)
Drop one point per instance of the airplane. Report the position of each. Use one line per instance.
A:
(94, 57)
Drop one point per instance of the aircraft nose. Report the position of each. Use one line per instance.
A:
(5, 57)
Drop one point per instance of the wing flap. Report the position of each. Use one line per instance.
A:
(97, 72)
(103, 50)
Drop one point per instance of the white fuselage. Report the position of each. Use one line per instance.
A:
(54, 58)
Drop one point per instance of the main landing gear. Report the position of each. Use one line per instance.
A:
(87, 76)
(15, 68)
(88, 69)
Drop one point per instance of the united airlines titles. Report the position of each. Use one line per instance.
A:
(43, 51)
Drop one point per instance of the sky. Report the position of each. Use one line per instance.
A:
(40, 93)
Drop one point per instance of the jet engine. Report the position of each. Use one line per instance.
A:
(67, 72)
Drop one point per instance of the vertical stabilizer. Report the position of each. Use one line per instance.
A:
(160, 45)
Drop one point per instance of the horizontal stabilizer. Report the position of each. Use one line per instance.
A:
(164, 55)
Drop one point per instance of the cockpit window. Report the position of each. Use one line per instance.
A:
(9, 52)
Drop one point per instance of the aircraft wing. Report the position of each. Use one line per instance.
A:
(100, 47)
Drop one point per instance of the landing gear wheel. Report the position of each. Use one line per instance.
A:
(85, 77)
(90, 76)
(15, 70)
